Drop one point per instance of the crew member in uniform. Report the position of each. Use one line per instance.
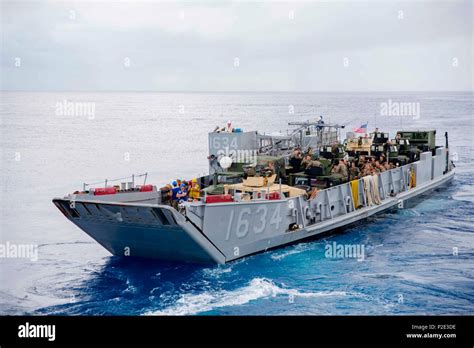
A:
(182, 194)
(174, 190)
(309, 163)
(194, 191)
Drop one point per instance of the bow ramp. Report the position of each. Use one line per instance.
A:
(140, 230)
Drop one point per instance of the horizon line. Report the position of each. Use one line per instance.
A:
(233, 91)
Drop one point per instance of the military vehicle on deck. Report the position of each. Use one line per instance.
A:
(412, 143)
(357, 146)
(379, 143)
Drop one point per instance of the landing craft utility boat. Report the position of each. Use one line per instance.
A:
(258, 195)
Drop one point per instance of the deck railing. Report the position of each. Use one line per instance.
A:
(129, 184)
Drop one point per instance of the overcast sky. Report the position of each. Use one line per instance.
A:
(237, 46)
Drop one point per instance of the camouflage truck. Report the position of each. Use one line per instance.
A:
(425, 140)
(394, 156)
(319, 177)
(412, 143)
(263, 165)
(330, 152)
(379, 143)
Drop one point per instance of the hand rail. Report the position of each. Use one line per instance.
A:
(133, 176)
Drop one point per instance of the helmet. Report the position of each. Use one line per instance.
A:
(175, 183)
(182, 185)
(194, 180)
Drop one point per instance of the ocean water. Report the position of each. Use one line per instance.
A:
(410, 266)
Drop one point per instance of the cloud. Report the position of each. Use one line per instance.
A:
(280, 46)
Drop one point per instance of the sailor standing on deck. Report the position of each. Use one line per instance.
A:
(228, 127)
(354, 171)
(214, 164)
(340, 168)
(320, 124)
(345, 167)
(308, 162)
(182, 194)
(194, 190)
(214, 168)
(174, 190)
(295, 160)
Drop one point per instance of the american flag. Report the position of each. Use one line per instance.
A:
(362, 128)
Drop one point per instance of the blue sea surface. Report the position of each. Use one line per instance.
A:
(418, 260)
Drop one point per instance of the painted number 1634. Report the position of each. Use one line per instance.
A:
(259, 218)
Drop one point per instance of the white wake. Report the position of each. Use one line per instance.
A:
(258, 288)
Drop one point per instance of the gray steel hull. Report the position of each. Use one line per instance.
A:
(159, 232)
(222, 232)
